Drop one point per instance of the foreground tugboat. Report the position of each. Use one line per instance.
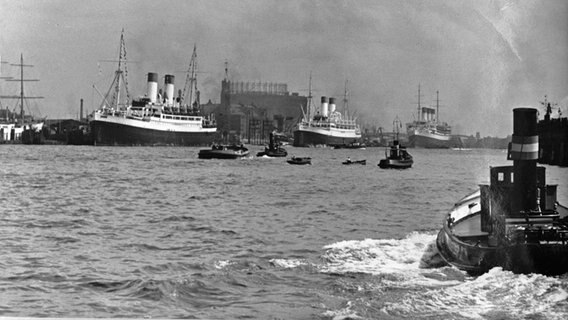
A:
(515, 222)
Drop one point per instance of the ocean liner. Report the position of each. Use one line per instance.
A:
(427, 131)
(158, 118)
(326, 127)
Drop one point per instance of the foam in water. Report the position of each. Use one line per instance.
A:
(438, 290)
(222, 264)
(342, 314)
(496, 294)
(402, 260)
(288, 263)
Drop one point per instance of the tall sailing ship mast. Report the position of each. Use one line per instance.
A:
(22, 97)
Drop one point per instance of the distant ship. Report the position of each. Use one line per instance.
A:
(326, 126)
(427, 131)
(158, 118)
(26, 129)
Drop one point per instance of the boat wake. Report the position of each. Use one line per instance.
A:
(403, 278)
(496, 294)
(413, 272)
(409, 262)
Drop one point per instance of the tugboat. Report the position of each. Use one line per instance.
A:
(273, 149)
(514, 222)
(398, 157)
(223, 152)
(299, 160)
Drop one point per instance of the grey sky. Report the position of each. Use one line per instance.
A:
(485, 57)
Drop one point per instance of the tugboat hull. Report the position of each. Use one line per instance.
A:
(547, 258)
(281, 152)
(395, 164)
(463, 244)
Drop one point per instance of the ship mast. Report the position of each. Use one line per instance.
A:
(437, 106)
(308, 112)
(419, 107)
(119, 76)
(22, 96)
(310, 106)
(191, 79)
(345, 101)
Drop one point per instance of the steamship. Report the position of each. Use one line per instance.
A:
(326, 127)
(158, 118)
(427, 131)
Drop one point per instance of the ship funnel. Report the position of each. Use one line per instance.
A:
(152, 91)
(169, 81)
(324, 106)
(523, 150)
(331, 105)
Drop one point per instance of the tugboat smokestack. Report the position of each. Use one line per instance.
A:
(152, 90)
(524, 153)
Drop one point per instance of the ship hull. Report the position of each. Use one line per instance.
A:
(471, 252)
(306, 138)
(547, 259)
(428, 140)
(118, 134)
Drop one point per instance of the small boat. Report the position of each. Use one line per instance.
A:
(349, 161)
(396, 157)
(273, 149)
(223, 152)
(299, 160)
(515, 222)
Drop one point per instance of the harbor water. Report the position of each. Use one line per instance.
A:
(155, 232)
